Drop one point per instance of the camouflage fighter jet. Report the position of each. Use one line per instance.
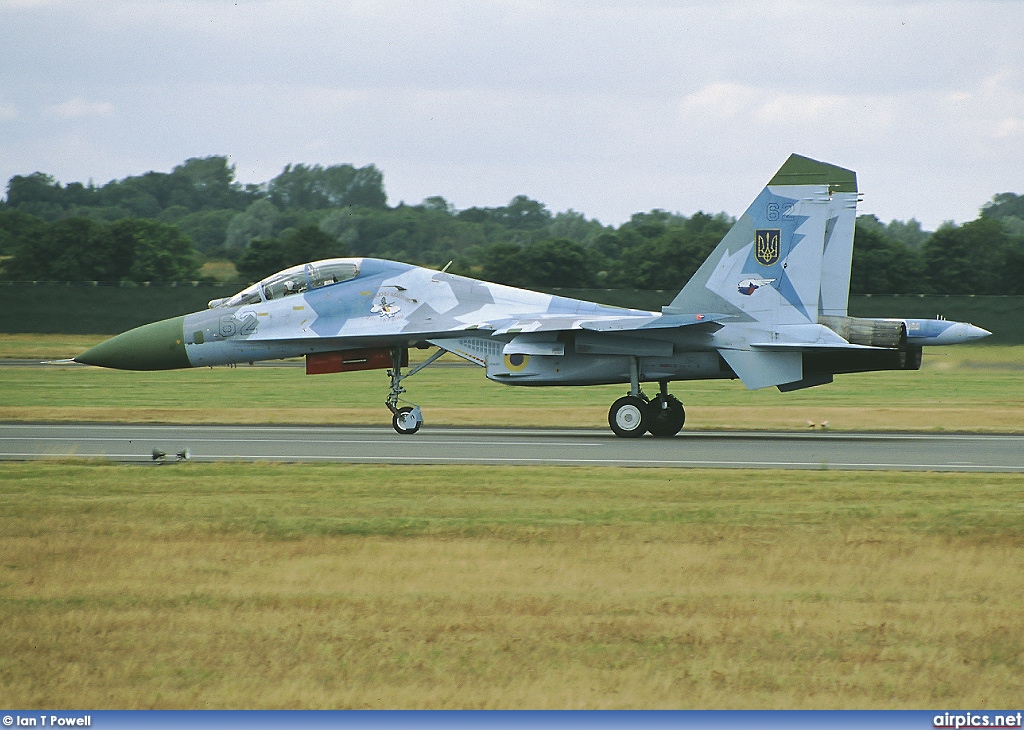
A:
(769, 306)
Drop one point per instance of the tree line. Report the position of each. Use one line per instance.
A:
(165, 226)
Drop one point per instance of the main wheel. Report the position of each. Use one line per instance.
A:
(407, 421)
(628, 417)
(665, 416)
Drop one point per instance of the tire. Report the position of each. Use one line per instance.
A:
(407, 421)
(628, 417)
(665, 421)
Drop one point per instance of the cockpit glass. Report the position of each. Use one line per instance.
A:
(293, 281)
(289, 281)
(322, 273)
(249, 295)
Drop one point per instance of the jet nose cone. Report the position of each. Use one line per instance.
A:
(157, 346)
(965, 332)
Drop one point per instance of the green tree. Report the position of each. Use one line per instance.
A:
(82, 249)
(662, 250)
(257, 221)
(15, 225)
(207, 183)
(559, 262)
(503, 264)
(146, 194)
(268, 255)
(1004, 205)
(575, 227)
(551, 262)
(437, 203)
(522, 212)
(883, 265)
(968, 259)
(37, 194)
(300, 186)
(909, 233)
(343, 224)
(208, 229)
(414, 234)
(35, 188)
(73, 249)
(159, 252)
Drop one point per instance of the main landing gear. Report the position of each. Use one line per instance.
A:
(406, 420)
(633, 415)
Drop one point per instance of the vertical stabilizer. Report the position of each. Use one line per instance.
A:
(787, 258)
(837, 258)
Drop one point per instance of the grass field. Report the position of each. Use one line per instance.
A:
(973, 388)
(229, 586)
(304, 586)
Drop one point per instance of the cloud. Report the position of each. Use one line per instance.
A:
(993, 111)
(7, 111)
(16, 4)
(607, 107)
(753, 107)
(77, 108)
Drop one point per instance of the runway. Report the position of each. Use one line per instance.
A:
(445, 445)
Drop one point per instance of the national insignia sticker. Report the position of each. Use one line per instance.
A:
(767, 246)
(516, 363)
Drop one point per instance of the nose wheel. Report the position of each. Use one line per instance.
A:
(407, 420)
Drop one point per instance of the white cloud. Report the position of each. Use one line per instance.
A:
(992, 112)
(751, 105)
(16, 4)
(607, 107)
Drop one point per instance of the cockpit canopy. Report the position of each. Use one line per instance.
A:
(293, 281)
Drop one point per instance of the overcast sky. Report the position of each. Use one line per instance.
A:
(607, 108)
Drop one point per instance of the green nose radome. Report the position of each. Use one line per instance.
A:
(157, 346)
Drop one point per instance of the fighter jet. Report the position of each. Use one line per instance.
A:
(768, 306)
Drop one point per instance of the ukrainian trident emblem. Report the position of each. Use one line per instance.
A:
(767, 246)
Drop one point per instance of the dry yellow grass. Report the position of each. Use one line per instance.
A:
(386, 587)
(580, 621)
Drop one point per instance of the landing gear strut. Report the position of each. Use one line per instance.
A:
(406, 420)
(633, 415)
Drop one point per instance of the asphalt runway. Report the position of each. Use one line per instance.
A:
(446, 445)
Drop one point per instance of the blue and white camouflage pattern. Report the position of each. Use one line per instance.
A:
(768, 306)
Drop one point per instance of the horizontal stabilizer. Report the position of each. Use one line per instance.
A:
(761, 369)
(788, 346)
(809, 382)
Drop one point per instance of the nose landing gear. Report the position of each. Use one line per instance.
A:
(406, 420)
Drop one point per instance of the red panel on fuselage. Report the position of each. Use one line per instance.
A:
(321, 363)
